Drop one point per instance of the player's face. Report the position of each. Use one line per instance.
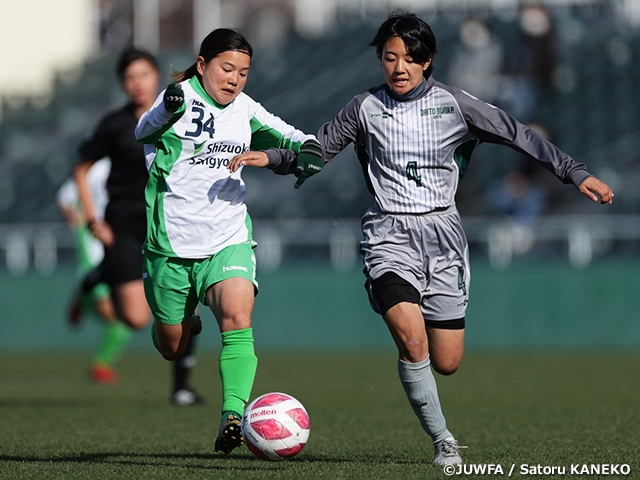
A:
(224, 76)
(140, 82)
(401, 73)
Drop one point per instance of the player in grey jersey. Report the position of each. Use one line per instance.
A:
(414, 137)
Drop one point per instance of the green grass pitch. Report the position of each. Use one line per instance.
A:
(528, 408)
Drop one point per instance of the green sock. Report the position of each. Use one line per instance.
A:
(238, 365)
(115, 338)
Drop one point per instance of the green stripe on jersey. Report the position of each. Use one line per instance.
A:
(167, 153)
(263, 137)
(462, 156)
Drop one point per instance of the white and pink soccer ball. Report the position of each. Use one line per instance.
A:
(275, 426)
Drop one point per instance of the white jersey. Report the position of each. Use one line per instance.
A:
(195, 206)
(97, 176)
(68, 198)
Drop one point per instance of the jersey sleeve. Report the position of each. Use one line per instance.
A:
(156, 121)
(67, 195)
(336, 135)
(269, 131)
(493, 125)
(281, 161)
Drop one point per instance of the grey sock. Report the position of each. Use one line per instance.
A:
(422, 392)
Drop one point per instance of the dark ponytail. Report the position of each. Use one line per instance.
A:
(218, 41)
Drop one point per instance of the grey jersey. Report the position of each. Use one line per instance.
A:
(414, 152)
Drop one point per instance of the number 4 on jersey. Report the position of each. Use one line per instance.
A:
(200, 127)
(412, 173)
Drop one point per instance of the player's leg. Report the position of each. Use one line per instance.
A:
(229, 285)
(171, 339)
(444, 304)
(89, 253)
(172, 301)
(114, 339)
(231, 302)
(446, 347)
(131, 304)
(407, 327)
(182, 393)
(122, 269)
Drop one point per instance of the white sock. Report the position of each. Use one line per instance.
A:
(422, 392)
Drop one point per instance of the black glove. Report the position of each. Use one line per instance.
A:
(309, 161)
(173, 97)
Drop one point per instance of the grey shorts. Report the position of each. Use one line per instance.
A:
(429, 251)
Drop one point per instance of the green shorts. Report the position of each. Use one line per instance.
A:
(173, 286)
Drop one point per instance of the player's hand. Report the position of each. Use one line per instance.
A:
(309, 161)
(173, 97)
(102, 231)
(594, 188)
(248, 159)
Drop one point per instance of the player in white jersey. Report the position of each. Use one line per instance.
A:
(199, 243)
(414, 137)
(90, 251)
(122, 228)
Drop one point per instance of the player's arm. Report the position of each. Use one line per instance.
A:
(166, 110)
(336, 135)
(332, 138)
(98, 227)
(305, 163)
(491, 124)
(91, 150)
(269, 131)
(280, 160)
(284, 149)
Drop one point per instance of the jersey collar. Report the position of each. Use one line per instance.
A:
(199, 89)
(412, 95)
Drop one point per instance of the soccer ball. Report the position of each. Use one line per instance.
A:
(275, 426)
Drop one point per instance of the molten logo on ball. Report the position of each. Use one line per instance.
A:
(275, 426)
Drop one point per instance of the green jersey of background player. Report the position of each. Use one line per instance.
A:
(199, 243)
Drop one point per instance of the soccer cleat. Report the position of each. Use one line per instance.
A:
(229, 435)
(104, 375)
(196, 324)
(447, 452)
(186, 397)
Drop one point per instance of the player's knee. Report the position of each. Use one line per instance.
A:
(136, 321)
(237, 321)
(170, 355)
(447, 366)
(170, 352)
(414, 350)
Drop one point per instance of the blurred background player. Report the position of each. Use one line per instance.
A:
(122, 231)
(199, 244)
(89, 253)
(414, 137)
